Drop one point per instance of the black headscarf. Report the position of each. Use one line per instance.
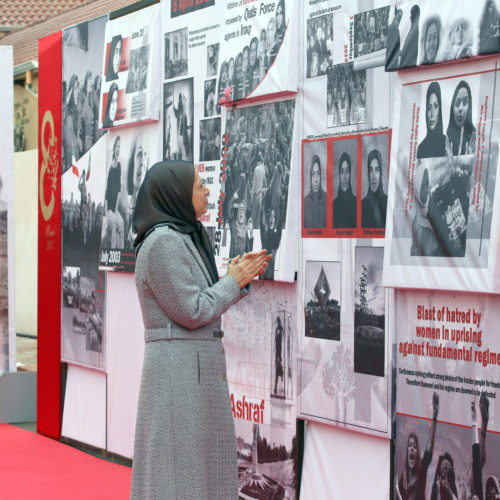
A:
(165, 197)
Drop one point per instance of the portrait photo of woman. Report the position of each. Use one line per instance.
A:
(114, 58)
(374, 204)
(111, 106)
(315, 200)
(431, 36)
(280, 21)
(461, 132)
(345, 203)
(489, 29)
(434, 143)
(459, 40)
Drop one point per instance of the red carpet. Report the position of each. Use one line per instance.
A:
(37, 467)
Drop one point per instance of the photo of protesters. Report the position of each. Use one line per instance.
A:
(346, 95)
(176, 53)
(259, 142)
(319, 45)
(370, 31)
(138, 69)
(210, 139)
(82, 67)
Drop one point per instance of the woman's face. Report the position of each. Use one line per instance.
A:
(458, 34)
(345, 176)
(113, 106)
(412, 452)
(316, 177)
(200, 196)
(272, 219)
(116, 149)
(279, 17)
(244, 61)
(263, 38)
(374, 174)
(138, 165)
(223, 74)
(271, 32)
(431, 42)
(117, 56)
(230, 71)
(253, 53)
(445, 470)
(433, 111)
(461, 107)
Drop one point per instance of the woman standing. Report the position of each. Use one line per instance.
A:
(184, 442)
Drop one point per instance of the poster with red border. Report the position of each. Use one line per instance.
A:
(49, 236)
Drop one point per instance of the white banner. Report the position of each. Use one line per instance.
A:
(130, 86)
(447, 381)
(442, 223)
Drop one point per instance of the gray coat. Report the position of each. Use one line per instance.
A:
(184, 442)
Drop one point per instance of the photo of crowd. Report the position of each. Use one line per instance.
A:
(370, 31)
(81, 89)
(259, 145)
(345, 95)
(176, 53)
(247, 68)
(138, 69)
(319, 45)
(210, 140)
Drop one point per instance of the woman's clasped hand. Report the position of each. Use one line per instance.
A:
(244, 269)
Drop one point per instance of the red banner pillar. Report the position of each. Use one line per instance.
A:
(49, 235)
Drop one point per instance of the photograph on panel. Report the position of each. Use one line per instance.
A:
(128, 159)
(115, 58)
(322, 299)
(178, 120)
(212, 59)
(319, 45)
(403, 36)
(314, 184)
(251, 58)
(374, 180)
(281, 361)
(259, 146)
(345, 95)
(210, 140)
(345, 182)
(449, 177)
(81, 88)
(210, 99)
(176, 53)
(267, 457)
(489, 28)
(369, 312)
(138, 69)
(370, 33)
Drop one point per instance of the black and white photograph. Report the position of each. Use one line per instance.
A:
(374, 180)
(438, 224)
(176, 53)
(81, 88)
(267, 460)
(345, 182)
(250, 61)
(370, 31)
(432, 39)
(319, 45)
(459, 40)
(403, 36)
(279, 362)
(314, 184)
(345, 95)
(259, 146)
(210, 139)
(115, 58)
(210, 99)
(178, 113)
(130, 154)
(489, 28)
(212, 59)
(369, 312)
(138, 69)
(322, 300)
